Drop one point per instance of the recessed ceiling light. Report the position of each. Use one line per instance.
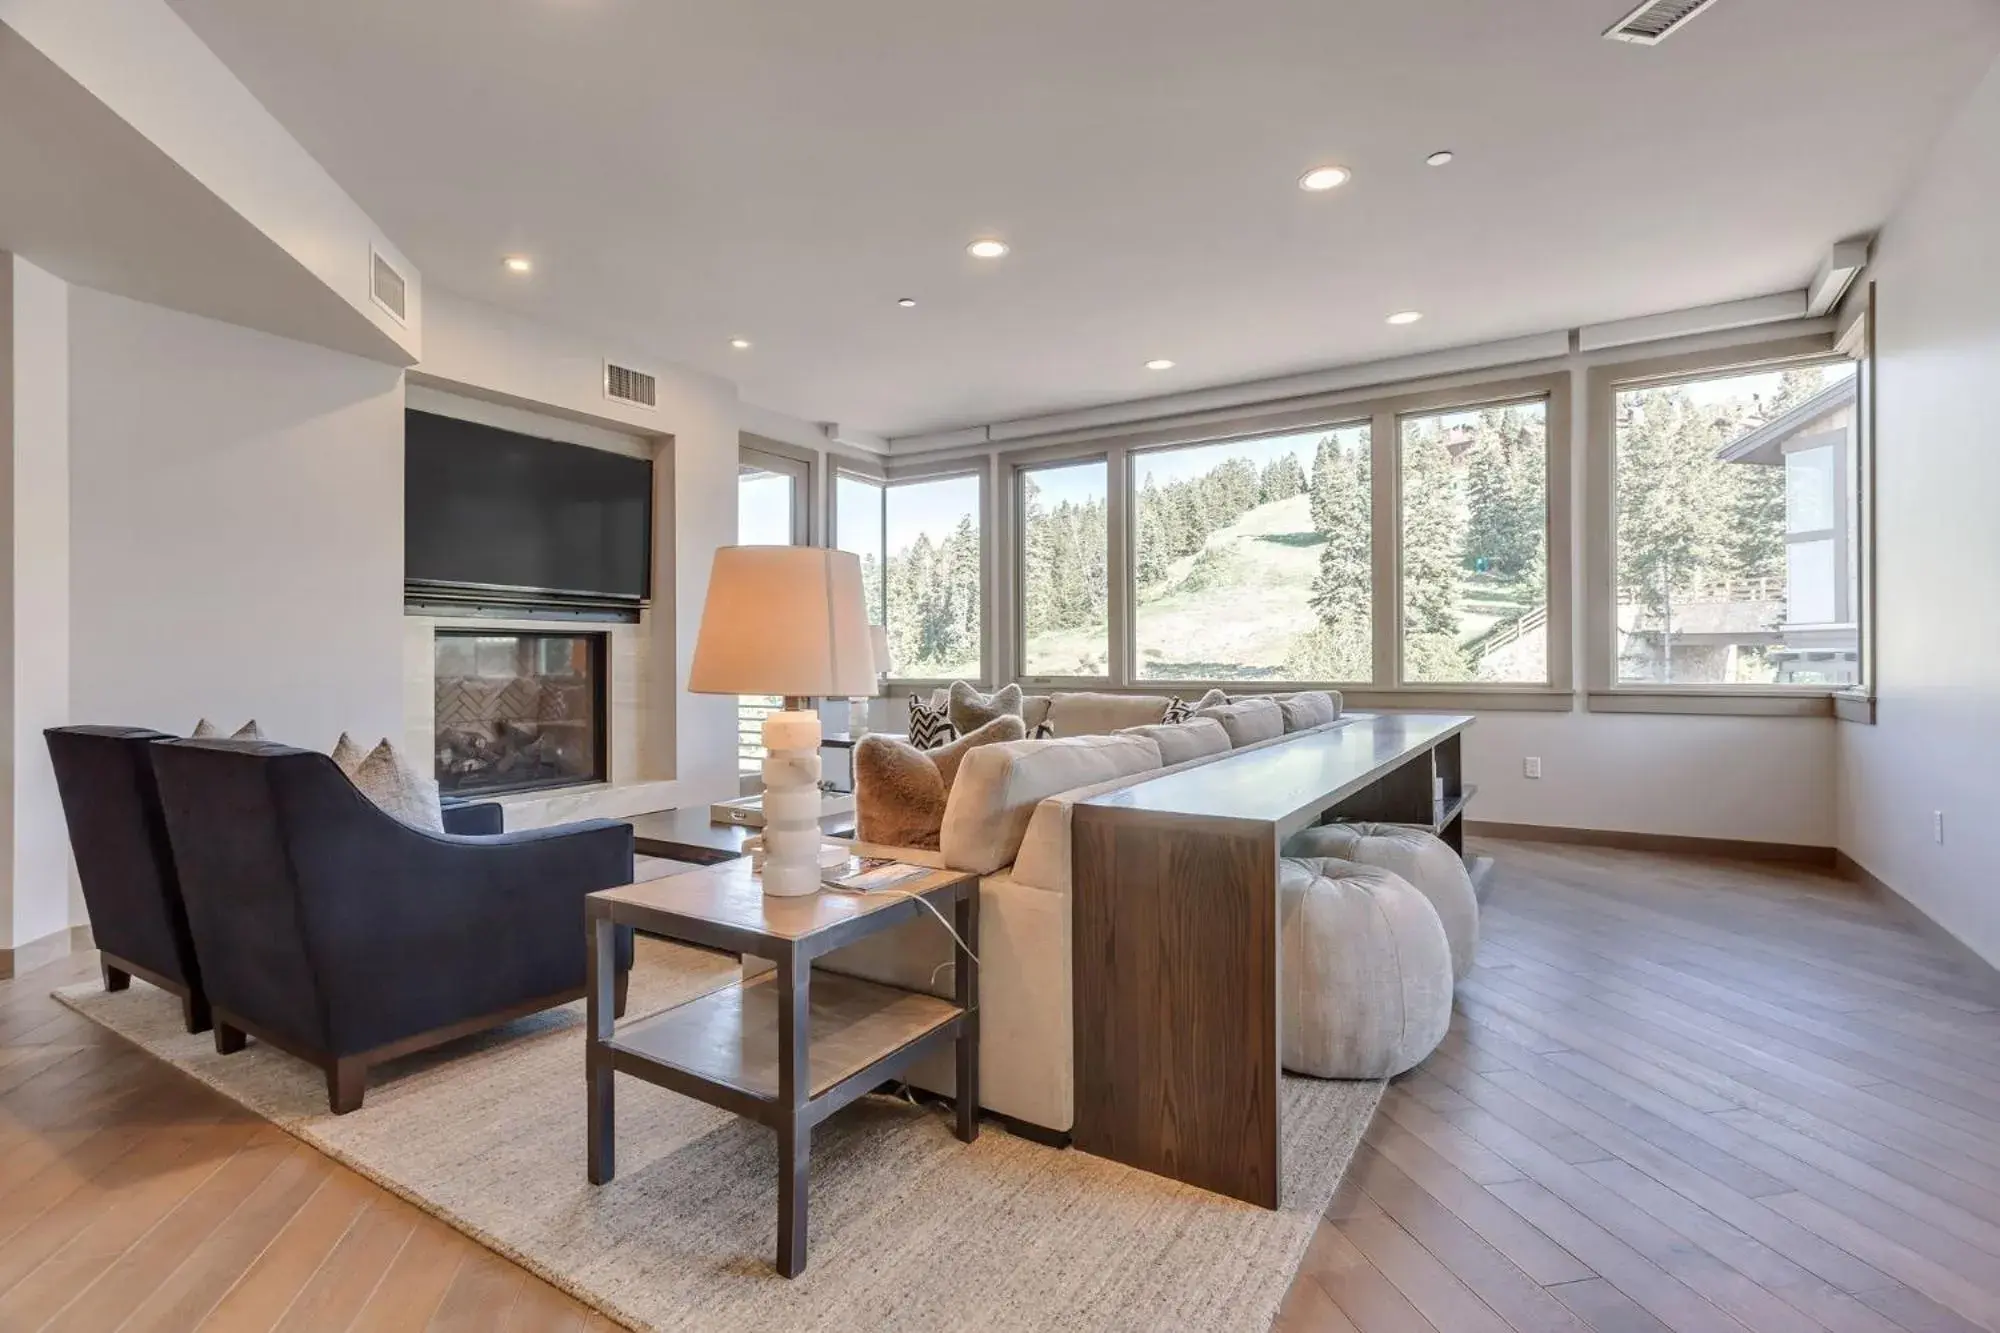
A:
(1325, 178)
(1440, 158)
(1159, 363)
(987, 247)
(740, 344)
(519, 264)
(907, 302)
(1406, 316)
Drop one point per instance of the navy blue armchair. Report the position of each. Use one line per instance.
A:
(118, 835)
(337, 933)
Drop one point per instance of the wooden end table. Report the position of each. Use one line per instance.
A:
(786, 1048)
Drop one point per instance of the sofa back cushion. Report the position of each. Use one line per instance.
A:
(1087, 714)
(1197, 738)
(1035, 710)
(1249, 720)
(999, 787)
(1308, 709)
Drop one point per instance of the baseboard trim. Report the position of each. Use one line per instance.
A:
(1732, 848)
(39, 953)
(1968, 959)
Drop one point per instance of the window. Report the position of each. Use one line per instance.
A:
(1251, 560)
(932, 577)
(764, 506)
(1734, 519)
(857, 527)
(1475, 545)
(1065, 570)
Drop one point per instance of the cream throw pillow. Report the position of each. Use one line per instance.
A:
(347, 756)
(386, 778)
(205, 730)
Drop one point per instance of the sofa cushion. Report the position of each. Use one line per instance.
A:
(1035, 710)
(1249, 720)
(999, 787)
(971, 710)
(1308, 708)
(900, 791)
(1179, 742)
(1087, 714)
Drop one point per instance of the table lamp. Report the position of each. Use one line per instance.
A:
(789, 621)
(857, 707)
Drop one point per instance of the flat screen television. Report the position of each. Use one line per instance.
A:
(496, 518)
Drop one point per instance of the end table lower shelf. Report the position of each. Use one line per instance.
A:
(786, 1048)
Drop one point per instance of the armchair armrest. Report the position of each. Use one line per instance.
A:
(475, 818)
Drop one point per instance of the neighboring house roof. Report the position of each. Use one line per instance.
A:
(1776, 431)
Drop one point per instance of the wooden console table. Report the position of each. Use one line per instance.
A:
(1175, 937)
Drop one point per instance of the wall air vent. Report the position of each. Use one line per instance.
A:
(388, 288)
(622, 384)
(1655, 21)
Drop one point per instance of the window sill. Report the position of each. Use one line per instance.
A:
(1712, 702)
(1466, 699)
(1854, 706)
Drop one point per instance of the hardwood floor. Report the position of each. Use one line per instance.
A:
(1678, 1093)
(1684, 1094)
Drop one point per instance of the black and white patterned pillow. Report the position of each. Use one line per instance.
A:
(930, 724)
(1044, 731)
(1178, 710)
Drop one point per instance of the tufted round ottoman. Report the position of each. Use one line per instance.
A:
(1365, 970)
(1418, 857)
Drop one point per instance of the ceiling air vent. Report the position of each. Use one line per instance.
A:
(622, 384)
(388, 288)
(1655, 21)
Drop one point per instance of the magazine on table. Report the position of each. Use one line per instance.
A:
(872, 874)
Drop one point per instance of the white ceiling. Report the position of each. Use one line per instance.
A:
(684, 172)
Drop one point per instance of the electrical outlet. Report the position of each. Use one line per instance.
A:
(1531, 767)
(1937, 826)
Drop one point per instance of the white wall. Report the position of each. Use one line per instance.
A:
(236, 527)
(34, 598)
(1938, 545)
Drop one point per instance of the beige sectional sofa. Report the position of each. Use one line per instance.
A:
(1008, 819)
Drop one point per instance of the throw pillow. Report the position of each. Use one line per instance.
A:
(930, 725)
(347, 756)
(971, 710)
(900, 790)
(386, 778)
(205, 730)
(1178, 710)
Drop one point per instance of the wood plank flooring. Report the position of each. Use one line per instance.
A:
(1678, 1093)
(1681, 1094)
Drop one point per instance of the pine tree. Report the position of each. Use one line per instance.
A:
(1434, 526)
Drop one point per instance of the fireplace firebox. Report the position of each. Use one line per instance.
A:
(518, 710)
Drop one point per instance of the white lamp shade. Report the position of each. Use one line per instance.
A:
(785, 620)
(878, 646)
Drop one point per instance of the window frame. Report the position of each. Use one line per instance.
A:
(1604, 693)
(927, 470)
(796, 470)
(1554, 396)
(879, 614)
(1017, 470)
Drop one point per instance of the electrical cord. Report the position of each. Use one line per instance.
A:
(928, 906)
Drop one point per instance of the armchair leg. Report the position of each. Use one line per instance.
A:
(114, 978)
(621, 986)
(194, 1012)
(346, 1081)
(228, 1040)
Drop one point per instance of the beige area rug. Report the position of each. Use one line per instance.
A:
(910, 1229)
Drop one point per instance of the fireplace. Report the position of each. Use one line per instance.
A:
(518, 710)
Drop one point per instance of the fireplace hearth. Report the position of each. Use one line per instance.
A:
(518, 710)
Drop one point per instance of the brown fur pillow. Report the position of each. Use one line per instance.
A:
(971, 710)
(900, 791)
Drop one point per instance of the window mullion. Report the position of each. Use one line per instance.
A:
(1386, 523)
(1118, 566)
